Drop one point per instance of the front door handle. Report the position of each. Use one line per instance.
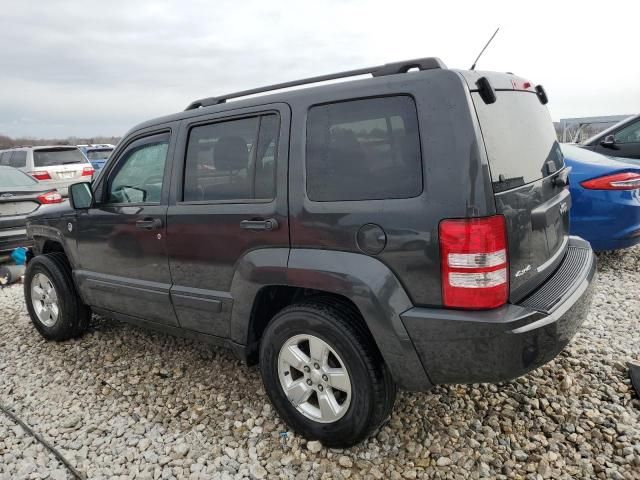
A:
(149, 223)
(268, 224)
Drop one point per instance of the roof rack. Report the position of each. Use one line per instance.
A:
(427, 63)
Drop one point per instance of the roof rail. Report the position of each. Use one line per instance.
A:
(427, 63)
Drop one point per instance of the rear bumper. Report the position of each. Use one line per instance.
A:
(458, 346)
(12, 238)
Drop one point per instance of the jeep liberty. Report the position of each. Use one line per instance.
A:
(400, 231)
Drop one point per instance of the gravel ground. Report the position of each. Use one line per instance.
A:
(124, 402)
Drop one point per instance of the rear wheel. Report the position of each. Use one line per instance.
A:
(52, 301)
(324, 374)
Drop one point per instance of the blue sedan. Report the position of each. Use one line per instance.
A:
(605, 194)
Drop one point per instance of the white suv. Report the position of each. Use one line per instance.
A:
(58, 166)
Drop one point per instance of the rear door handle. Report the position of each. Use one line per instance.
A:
(268, 224)
(149, 223)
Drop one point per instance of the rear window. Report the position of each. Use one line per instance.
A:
(99, 154)
(519, 137)
(10, 178)
(363, 150)
(56, 156)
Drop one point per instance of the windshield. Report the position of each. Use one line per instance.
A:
(56, 156)
(10, 178)
(519, 137)
(99, 154)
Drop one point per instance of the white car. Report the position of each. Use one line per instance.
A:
(57, 166)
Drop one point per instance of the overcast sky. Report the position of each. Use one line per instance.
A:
(89, 67)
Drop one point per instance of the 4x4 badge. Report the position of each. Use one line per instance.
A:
(519, 273)
(6, 195)
(563, 208)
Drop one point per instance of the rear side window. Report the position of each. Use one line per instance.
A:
(363, 150)
(5, 157)
(519, 137)
(232, 161)
(57, 156)
(18, 159)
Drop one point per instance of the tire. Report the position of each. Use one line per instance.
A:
(350, 347)
(52, 271)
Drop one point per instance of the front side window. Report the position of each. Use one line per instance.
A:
(140, 173)
(363, 150)
(629, 134)
(232, 161)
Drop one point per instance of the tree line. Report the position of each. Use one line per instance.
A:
(8, 142)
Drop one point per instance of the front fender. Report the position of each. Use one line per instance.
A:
(54, 231)
(366, 281)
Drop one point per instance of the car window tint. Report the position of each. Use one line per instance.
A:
(363, 150)
(629, 134)
(18, 159)
(51, 157)
(232, 160)
(140, 174)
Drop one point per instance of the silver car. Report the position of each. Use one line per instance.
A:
(57, 166)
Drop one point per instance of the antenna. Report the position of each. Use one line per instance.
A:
(473, 67)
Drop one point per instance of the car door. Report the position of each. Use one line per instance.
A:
(123, 263)
(229, 196)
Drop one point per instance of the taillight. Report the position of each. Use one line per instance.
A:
(41, 175)
(473, 258)
(86, 171)
(616, 181)
(50, 197)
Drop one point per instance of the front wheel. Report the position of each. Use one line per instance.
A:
(324, 374)
(54, 306)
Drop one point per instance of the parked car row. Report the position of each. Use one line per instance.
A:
(57, 166)
(20, 195)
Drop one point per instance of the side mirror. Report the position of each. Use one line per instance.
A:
(609, 141)
(81, 195)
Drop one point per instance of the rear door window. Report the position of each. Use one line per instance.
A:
(52, 157)
(519, 137)
(232, 160)
(363, 150)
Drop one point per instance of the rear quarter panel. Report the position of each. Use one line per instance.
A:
(455, 179)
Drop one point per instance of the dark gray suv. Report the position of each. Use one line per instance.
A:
(399, 231)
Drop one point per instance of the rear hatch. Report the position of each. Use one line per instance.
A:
(59, 164)
(527, 168)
